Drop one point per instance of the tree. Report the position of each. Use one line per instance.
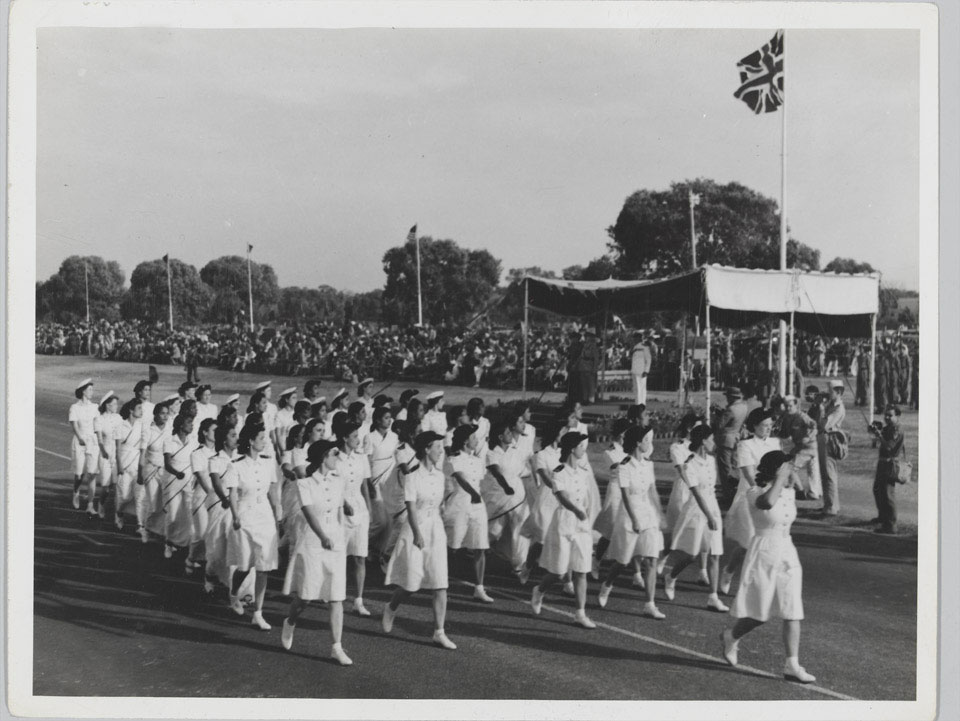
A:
(147, 297)
(847, 265)
(600, 268)
(456, 283)
(229, 273)
(62, 297)
(311, 305)
(515, 275)
(734, 226)
(363, 307)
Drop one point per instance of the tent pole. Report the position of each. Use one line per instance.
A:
(873, 361)
(603, 351)
(793, 358)
(526, 329)
(683, 358)
(707, 331)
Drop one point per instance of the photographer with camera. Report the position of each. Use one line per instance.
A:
(892, 468)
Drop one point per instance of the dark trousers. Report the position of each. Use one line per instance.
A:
(885, 495)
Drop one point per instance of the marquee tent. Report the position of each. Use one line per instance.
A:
(834, 304)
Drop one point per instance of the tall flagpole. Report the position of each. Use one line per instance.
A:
(250, 285)
(166, 260)
(86, 290)
(783, 217)
(419, 291)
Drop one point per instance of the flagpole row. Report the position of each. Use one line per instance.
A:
(783, 214)
(166, 260)
(250, 284)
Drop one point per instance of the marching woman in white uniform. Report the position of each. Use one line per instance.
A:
(178, 485)
(738, 524)
(680, 493)
(699, 527)
(293, 466)
(128, 438)
(613, 497)
(84, 449)
(535, 526)
(475, 411)
(205, 409)
(568, 543)
(419, 560)
(252, 542)
(504, 496)
(355, 470)
(219, 520)
(380, 446)
(199, 492)
(149, 491)
(318, 561)
(435, 419)
(525, 437)
(464, 514)
(636, 529)
(106, 425)
(772, 581)
(284, 418)
(392, 491)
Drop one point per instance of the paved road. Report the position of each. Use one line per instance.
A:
(114, 618)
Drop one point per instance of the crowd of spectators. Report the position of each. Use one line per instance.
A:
(476, 356)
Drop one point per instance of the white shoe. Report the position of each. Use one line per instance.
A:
(189, 566)
(91, 511)
(638, 580)
(167, 550)
(536, 600)
(440, 638)
(144, 534)
(337, 652)
(595, 568)
(604, 595)
(568, 589)
(208, 587)
(669, 587)
(236, 604)
(101, 510)
(76, 500)
(258, 621)
(726, 579)
(703, 579)
(796, 672)
(523, 575)
(481, 595)
(387, 621)
(730, 647)
(118, 522)
(661, 565)
(286, 634)
(650, 610)
(582, 619)
(359, 607)
(715, 604)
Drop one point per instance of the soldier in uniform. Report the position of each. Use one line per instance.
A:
(728, 434)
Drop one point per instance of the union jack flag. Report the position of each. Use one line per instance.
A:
(761, 77)
(412, 235)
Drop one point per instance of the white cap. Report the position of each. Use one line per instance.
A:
(107, 396)
(262, 386)
(318, 401)
(340, 394)
(435, 394)
(365, 382)
(288, 391)
(789, 397)
(836, 384)
(173, 397)
(84, 383)
(232, 399)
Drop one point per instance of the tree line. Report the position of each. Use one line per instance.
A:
(650, 238)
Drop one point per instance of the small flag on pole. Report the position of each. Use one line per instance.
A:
(694, 199)
(761, 77)
(249, 248)
(412, 235)
(166, 259)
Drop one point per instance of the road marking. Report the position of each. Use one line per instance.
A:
(664, 644)
(90, 540)
(58, 455)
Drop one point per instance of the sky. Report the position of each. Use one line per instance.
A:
(322, 147)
